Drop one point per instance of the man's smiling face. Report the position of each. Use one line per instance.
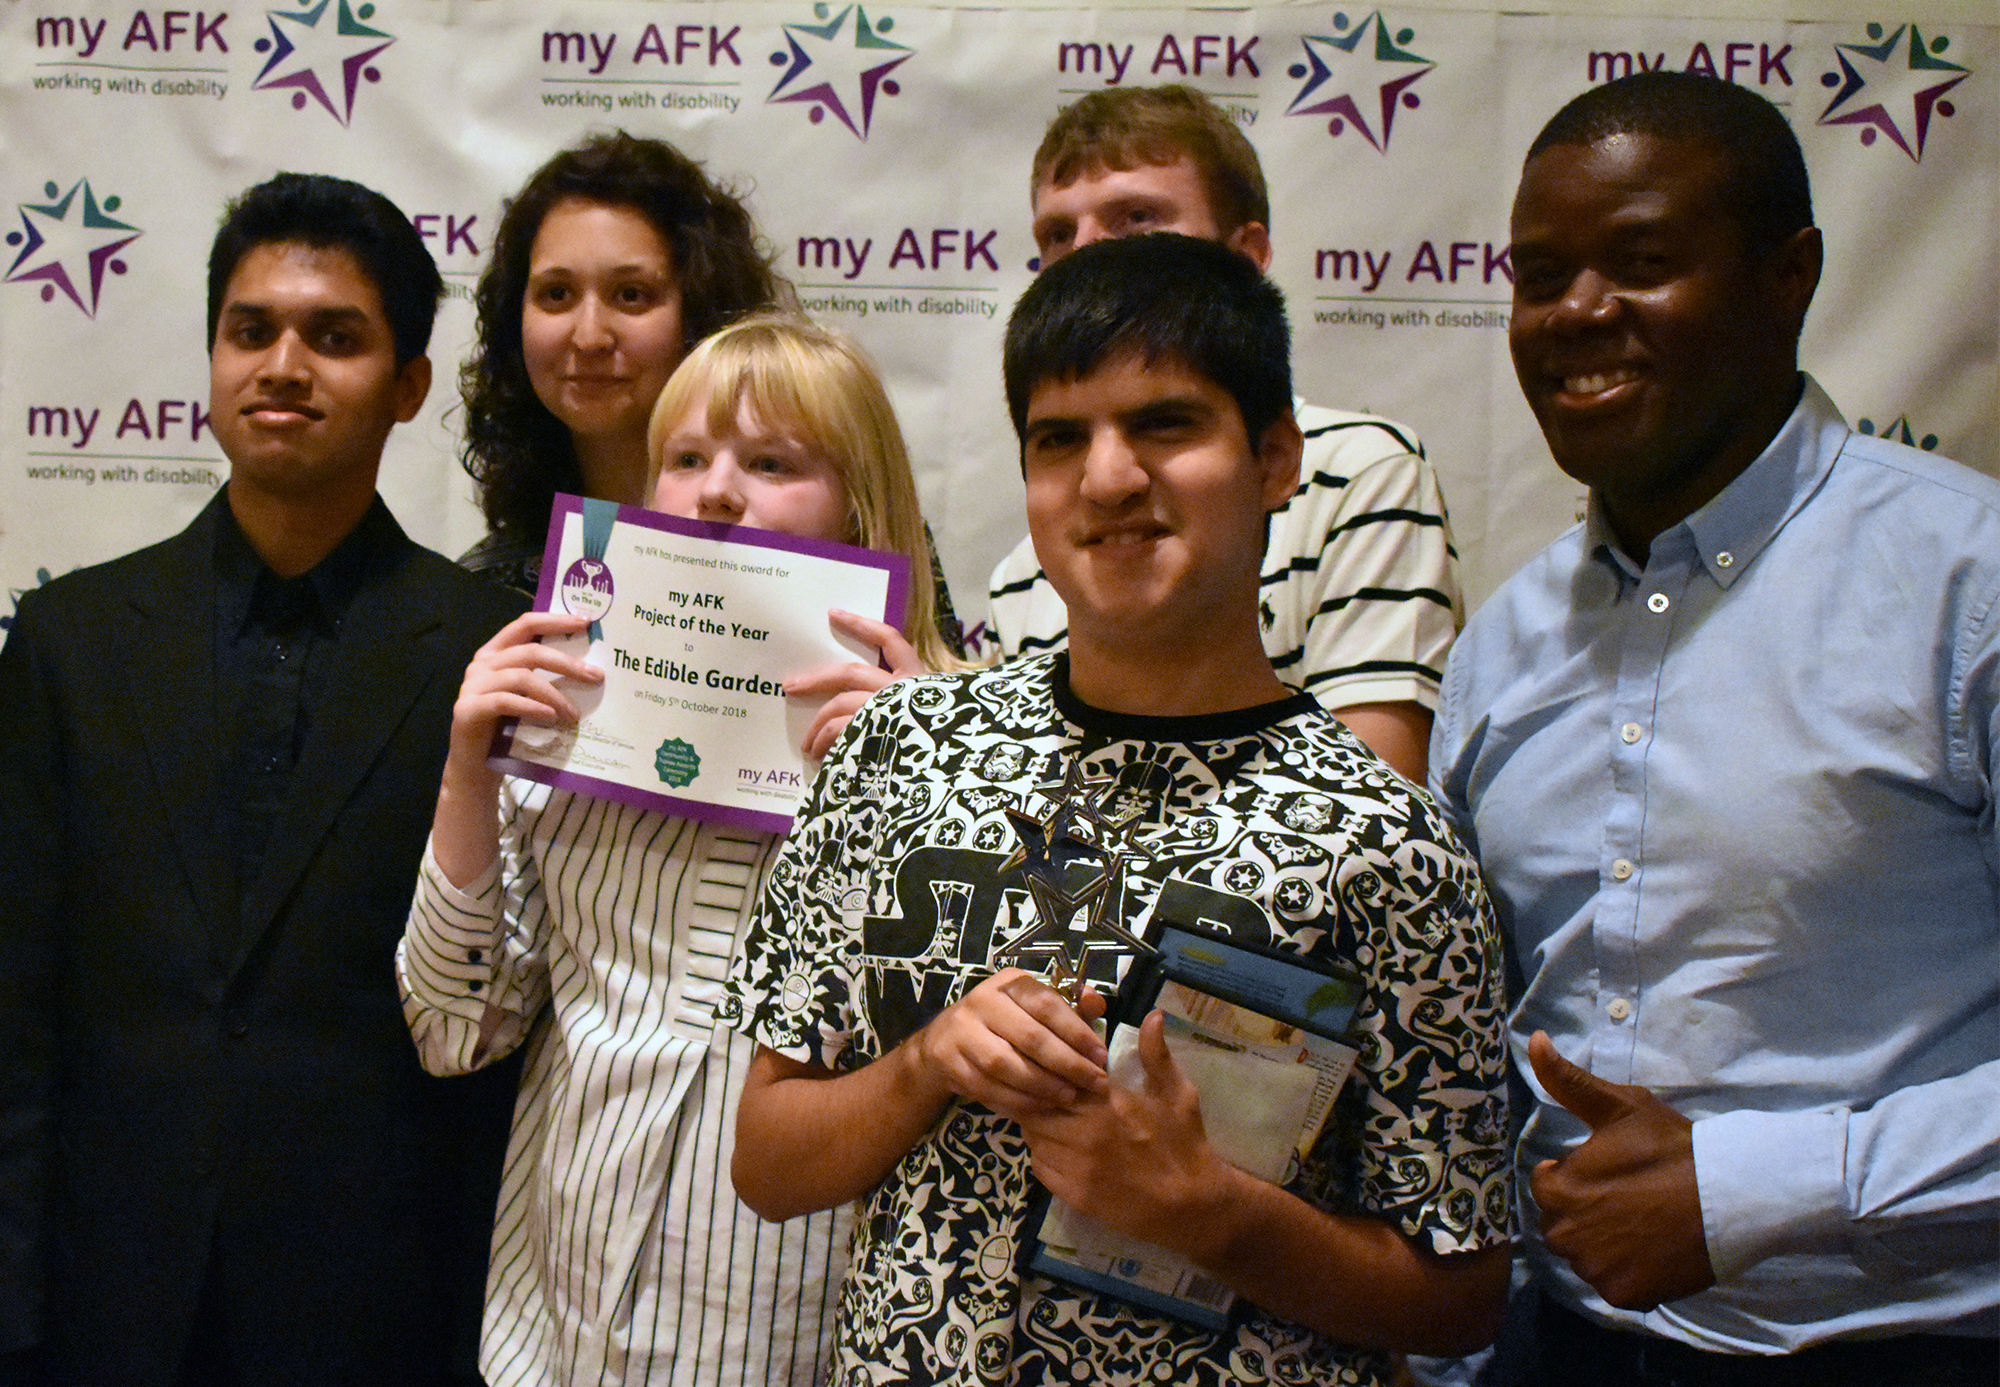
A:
(303, 381)
(1657, 350)
(1146, 499)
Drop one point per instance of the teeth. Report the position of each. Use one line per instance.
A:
(1595, 384)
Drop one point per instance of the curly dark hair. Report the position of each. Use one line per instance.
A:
(518, 452)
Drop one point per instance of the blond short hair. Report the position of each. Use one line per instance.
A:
(798, 376)
(1127, 127)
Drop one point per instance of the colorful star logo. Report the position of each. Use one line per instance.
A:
(1343, 73)
(1878, 84)
(61, 251)
(302, 47)
(845, 72)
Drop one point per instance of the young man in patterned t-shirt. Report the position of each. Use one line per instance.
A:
(1149, 384)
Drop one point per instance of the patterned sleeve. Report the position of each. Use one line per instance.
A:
(1368, 544)
(793, 983)
(467, 952)
(1435, 1149)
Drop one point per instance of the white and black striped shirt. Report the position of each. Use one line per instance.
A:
(620, 1251)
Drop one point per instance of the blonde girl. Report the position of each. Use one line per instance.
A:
(596, 935)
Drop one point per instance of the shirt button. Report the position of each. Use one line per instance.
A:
(1724, 558)
(1630, 732)
(1618, 1009)
(1622, 870)
(1657, 602)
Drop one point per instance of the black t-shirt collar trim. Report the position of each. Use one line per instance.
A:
(1198, 727)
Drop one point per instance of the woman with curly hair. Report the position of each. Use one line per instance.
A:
(615, 258)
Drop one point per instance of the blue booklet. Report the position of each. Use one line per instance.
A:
(1264, 1036)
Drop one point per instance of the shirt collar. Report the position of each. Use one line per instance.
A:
(1602, 545)
(333, 581)
(1731, 530)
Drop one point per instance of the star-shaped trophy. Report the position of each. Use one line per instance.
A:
(1073, 859)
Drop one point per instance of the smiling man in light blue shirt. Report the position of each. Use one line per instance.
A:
(1727, 754)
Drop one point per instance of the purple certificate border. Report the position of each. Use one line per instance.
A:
(895, 613)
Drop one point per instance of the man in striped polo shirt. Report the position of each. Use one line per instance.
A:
(1359, 597)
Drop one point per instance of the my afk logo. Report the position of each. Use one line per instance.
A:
(67, 244)
(1892, 87)
(1360, 76)
(839, 67)
(322, 53)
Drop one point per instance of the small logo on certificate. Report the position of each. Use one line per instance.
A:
(677, 762)
(586, 588)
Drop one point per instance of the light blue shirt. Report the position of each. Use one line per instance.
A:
(1736, 810)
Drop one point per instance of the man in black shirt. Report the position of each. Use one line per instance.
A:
(219, 1159)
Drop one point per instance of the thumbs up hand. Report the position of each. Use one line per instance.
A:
(1622, 1209)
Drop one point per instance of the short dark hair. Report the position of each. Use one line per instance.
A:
(326, 213)
(1125, 127)
(518, 452)
(1768, 190)
(1168, 297)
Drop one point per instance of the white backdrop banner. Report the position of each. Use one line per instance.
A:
(885, 152)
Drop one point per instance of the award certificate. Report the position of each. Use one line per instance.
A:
(696, 625)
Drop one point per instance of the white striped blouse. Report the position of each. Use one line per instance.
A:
(621, 1254)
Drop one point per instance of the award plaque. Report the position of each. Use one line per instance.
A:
(1073, 859)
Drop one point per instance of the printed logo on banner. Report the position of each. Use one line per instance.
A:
(1898, 430)
(1892, 86)
(832, 67)
(68, 243)
(1359, 74)
(328, 44)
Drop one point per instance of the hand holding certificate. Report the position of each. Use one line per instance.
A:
(696, 626)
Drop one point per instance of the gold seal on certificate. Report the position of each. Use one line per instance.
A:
(696, 626)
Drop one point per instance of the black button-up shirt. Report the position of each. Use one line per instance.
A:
(275, 645)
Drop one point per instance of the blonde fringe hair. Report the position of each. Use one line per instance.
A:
(800, 378)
